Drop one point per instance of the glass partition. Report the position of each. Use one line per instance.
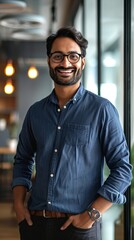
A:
(112, 89)
(112, 79)
(111, 86)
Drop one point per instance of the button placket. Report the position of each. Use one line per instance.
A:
(55, 155)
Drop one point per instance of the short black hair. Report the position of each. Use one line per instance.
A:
(69, 32)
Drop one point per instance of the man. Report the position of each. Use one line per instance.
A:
(68, 134)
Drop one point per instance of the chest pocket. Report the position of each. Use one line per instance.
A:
(77, 134)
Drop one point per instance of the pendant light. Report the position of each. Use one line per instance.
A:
(9, 69)
(9, 88)
(32, 72)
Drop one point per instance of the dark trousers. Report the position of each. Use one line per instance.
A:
(49, 229)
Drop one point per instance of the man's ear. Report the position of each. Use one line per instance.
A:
(83, 67)
(83, 63)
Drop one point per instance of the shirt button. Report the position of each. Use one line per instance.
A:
(59, 127)
(49, 203)
(55, 150)
(51, 175)
(58, 110)
(64, 107)
(74, 99)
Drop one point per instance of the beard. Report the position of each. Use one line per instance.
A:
(63, 80)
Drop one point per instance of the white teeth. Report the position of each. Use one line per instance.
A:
(65, 71)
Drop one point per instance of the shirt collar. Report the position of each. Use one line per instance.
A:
(76, 97)
(78, 94)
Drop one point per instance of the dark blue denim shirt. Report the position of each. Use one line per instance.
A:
(69, 146)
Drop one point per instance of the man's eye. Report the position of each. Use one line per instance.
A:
(74, 56)
(58, 56)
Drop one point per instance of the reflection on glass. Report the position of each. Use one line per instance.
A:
(109, 60)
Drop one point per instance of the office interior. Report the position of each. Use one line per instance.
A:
(109, 72)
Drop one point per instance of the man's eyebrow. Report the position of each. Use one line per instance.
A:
(67, 52)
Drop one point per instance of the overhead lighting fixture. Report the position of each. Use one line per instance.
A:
(32, 72)
(22, 21)
(9, 88)
(9, 69)
(29, 34)
(10, 6)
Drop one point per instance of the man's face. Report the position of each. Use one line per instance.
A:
(65, 73)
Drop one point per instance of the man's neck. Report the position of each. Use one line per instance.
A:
(65, 93)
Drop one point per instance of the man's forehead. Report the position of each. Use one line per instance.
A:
(62, 43)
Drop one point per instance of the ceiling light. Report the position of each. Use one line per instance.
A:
(29, 34)
(9, 69)
(22, 21)
(10, 6)
(32, 72)
(9, 88)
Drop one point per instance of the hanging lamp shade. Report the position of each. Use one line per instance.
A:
(29, 34)
(10, 6)
(22, 21)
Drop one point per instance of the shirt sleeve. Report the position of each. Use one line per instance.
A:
(116, 154)
(24, 158)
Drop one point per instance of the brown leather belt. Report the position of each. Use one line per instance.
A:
(48, 214)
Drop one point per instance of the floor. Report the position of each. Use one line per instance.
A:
(8, 223)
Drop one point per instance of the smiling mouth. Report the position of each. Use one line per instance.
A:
(65, 72)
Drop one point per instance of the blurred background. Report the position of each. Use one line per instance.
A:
(24, 79)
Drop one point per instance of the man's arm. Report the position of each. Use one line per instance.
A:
(19, 197)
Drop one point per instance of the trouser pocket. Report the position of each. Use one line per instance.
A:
(93, 233)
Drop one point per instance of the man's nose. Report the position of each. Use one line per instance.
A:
(65, 62)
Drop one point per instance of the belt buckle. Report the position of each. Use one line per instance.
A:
(44, 214)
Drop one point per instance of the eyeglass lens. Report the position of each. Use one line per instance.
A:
(58, 57)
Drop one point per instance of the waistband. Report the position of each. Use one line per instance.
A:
(49, 214)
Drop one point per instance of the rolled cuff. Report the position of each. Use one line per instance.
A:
(114, 197)
(22, 182)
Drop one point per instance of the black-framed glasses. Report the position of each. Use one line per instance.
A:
(57, 57)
